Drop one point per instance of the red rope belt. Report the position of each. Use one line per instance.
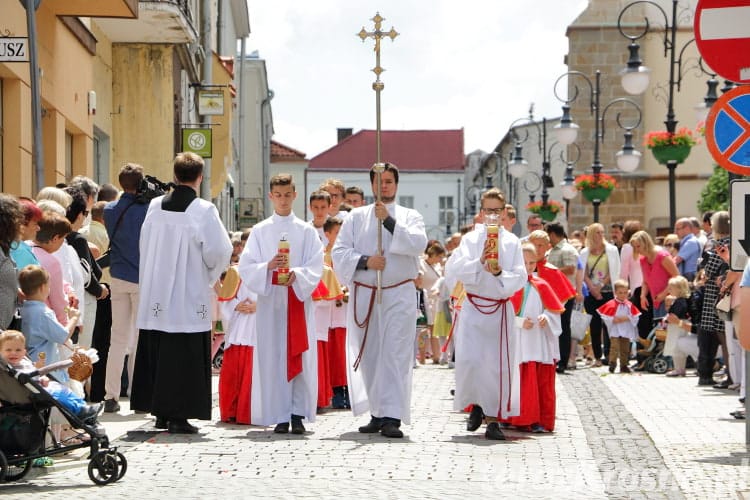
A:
(490, 306)
(366, 322)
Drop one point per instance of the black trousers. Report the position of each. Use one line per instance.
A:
(563, 341)
(172, 375)
(708, 343)
(596, 327)
(100, 341)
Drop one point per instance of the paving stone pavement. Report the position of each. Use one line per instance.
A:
(616, 436)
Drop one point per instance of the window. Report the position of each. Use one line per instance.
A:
(101, 156)
(406, 201)
(445, 207)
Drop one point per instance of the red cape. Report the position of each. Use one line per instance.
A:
(609, 309)
(548, 296)
(557, 280)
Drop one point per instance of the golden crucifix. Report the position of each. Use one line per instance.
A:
(378, 34)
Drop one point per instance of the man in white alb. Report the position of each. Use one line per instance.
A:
(380, 336)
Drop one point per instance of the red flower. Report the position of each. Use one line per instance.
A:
(595, 181)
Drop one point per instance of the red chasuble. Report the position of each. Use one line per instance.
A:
(609, 309)
(557, 280)
(549, 298)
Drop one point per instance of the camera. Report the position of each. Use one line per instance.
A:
(150, 188)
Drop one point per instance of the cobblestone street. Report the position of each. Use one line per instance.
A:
(617, 436)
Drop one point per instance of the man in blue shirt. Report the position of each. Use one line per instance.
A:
(123, 219)
(690, 249)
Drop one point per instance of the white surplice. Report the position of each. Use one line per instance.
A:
(538, 343)
(273, 398)
(194, 240)
(487, 365)
(239, 327)
(382, 384)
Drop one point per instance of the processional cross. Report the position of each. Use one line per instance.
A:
(378, 34)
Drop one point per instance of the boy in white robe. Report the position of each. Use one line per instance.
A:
(621, 318)
(487, 348)
(285, 372)
(538, 318)
(238, 305)
(380, 336)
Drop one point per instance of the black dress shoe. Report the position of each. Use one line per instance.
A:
(390, 430)
(181, 426)
(706, 381)
(723, 385)
(297, 427)
(161, 423)
(475, 418)
(493, 432)
(281, 428)
(373, 426)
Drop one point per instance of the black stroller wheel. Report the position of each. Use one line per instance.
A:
(122, 465)
(103, 468)
(660, 366)
(17, 471)
(218, 358)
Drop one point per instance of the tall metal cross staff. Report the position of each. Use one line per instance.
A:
(378, 34)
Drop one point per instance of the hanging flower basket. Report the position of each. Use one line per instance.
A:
(595, 187)
(597, 193)
(670, 147)
(547, 215)
(677, 153)
(548, 212)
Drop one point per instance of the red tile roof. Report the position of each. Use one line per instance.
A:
(410, 150)
(280, 152)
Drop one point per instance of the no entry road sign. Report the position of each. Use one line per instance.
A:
(728, 130)
(722, 34)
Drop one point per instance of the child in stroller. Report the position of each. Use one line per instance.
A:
(13, 350)
(25, 407)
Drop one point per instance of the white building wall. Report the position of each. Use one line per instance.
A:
(254, 141)
(426, 188)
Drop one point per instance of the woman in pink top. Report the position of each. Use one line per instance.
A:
(630, 270)
(657, 267)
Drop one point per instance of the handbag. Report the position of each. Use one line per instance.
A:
(579, 322)
(724, 307)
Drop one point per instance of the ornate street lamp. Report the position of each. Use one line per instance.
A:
(635, 76)
(627, 158)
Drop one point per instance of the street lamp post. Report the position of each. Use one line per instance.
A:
(518, 166)
(635, 77)
(628, 158)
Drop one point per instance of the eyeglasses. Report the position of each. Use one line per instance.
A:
(497, 211)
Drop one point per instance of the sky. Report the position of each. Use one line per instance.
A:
(471, 64)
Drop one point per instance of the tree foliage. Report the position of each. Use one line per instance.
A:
(715, 194)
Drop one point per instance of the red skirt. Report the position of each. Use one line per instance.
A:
(325, 392)
(537, 396)
(337, 356)
(235, 384)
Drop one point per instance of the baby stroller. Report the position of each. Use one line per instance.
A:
(651, 349)
(25, 408)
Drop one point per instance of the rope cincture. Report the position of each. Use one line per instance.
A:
(366, 322)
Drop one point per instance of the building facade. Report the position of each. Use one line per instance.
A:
(595, 43)
(119, 81)
(431, 169)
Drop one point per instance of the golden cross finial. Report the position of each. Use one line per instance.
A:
(377, 34)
